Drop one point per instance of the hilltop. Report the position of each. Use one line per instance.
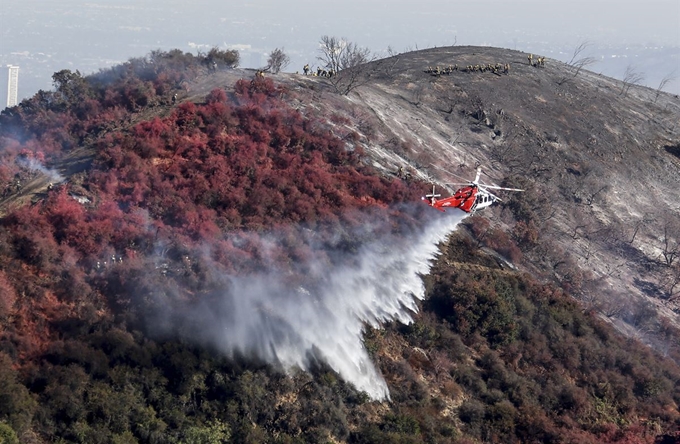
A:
(129, 217)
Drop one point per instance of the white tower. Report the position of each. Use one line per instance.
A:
(12, 85)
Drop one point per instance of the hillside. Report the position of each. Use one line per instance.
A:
(242, 263)
(601, 166)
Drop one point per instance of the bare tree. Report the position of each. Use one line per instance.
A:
(590, 186)
(646, 220)
(345, 62)
(665, 81)
(671, 284)
(278, 60)
(577, 63)
(418, 93)
(594, 192)
(387, 66)
(353, 56)
(643, 315)
(631, 77)
(670, 240)
(330, 48)
(338, 54)
(612, 305)
(582, 227)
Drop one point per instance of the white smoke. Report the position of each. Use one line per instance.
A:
(35, 165)
(272, 316)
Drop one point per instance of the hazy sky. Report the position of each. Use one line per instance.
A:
(44, 36)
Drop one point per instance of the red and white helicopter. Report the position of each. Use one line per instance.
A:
(472, 197)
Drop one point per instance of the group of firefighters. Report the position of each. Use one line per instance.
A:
(539, 63)
(318, 73)
(495, 68)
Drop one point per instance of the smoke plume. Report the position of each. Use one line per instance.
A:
(319, 311)
(35, 165)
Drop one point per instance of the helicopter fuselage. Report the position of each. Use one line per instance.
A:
(468, 199)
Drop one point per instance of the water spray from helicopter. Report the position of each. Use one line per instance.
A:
(269, 316)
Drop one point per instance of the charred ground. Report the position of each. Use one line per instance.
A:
(497, 355)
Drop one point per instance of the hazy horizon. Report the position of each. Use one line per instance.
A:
(43, 37)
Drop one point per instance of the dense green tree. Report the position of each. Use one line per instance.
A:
(17, 406)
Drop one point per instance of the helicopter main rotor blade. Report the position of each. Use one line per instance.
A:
(475, 182)
(494, 196)
(493, 187)
(449, 172)
(479, 174)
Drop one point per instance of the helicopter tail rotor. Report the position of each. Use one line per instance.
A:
(432, 195)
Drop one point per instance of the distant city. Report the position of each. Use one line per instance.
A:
(42, 38)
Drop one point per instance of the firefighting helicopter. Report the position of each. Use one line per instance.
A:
(471, 197)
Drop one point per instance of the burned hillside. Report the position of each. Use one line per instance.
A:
(597, 157)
